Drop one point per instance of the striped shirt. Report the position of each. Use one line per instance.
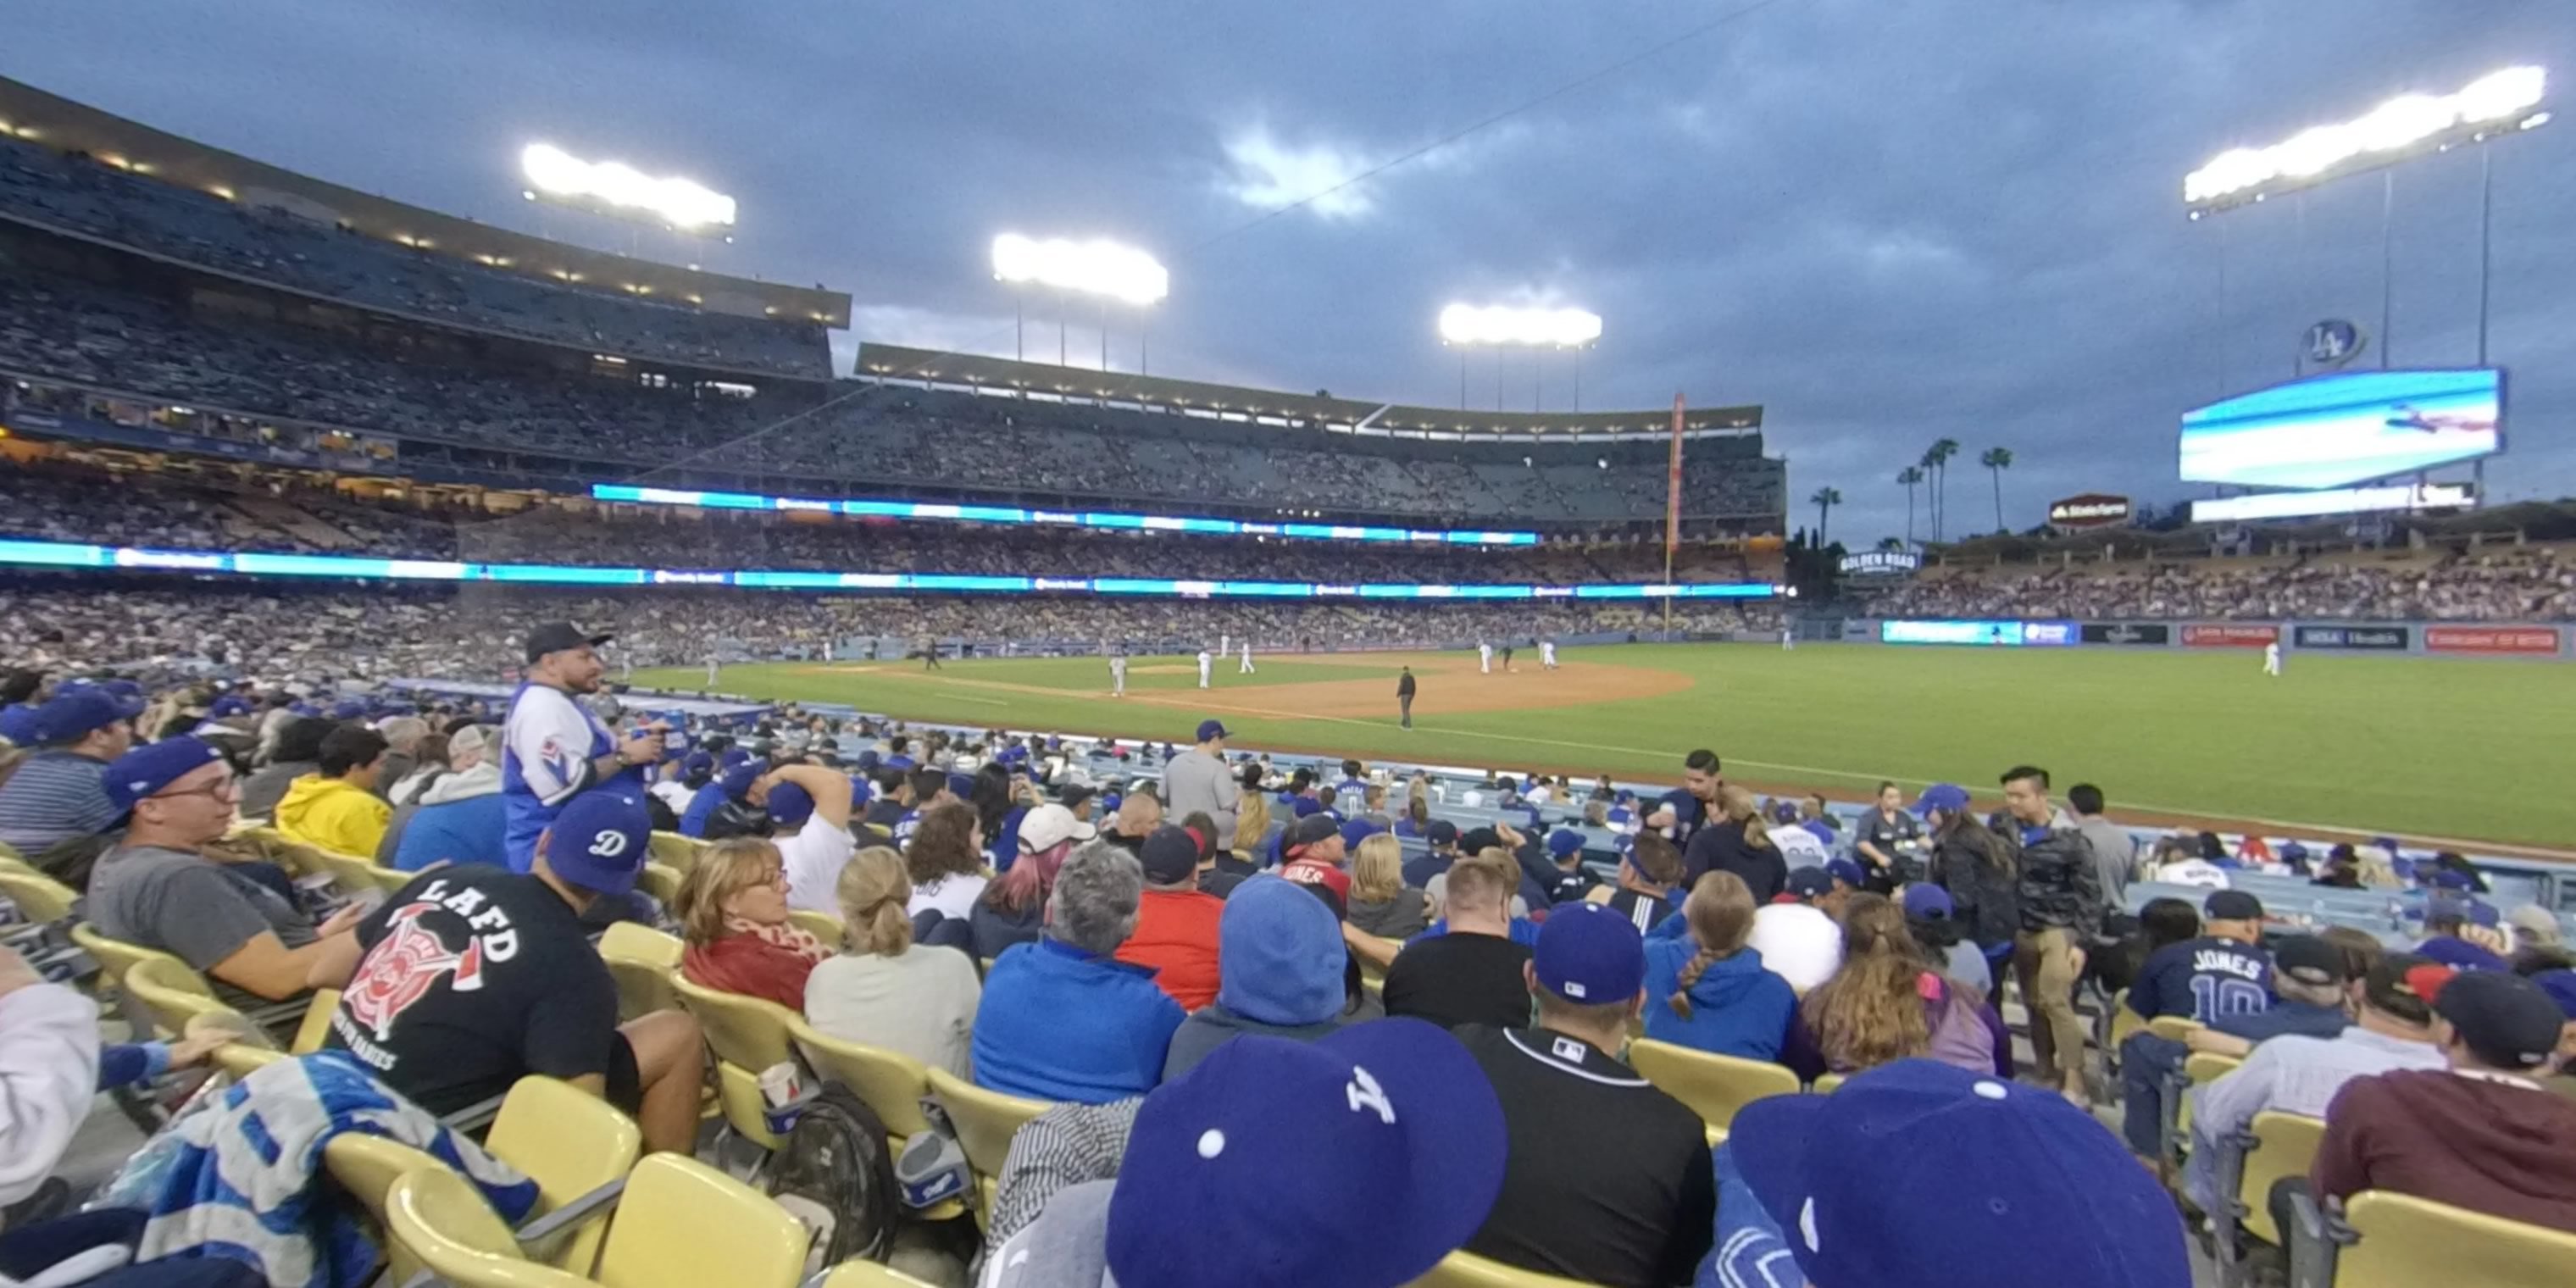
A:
(54, 796)
(1058, 1149)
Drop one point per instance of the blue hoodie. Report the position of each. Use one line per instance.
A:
(1738, 1007)
(693, 821)
(460, 819)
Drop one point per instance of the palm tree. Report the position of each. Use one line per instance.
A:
(1824, 500)
(1939, 460)
(1997, 460)
(1910, 476)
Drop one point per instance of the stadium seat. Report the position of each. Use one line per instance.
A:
(868, 1274)
(747, 1036)
(570, 1143)
(2173, 1028)
(168, 994)
(641, 960)
(315, 1027)
(1467, 1270)
(365, 1167)
(2387, 1240)
(439, 1220)
(39, 896)
(1826, 1084)
(1714, 1086)
(663, 883)
(356, 876)
(2200, 1068)
(985, 1122)
(821, 925)
(890, 1082)
(2274, 1147)
(676, 852)
(116, 956)
(683, 1224)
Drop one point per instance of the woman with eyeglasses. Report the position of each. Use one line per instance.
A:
(733, 915)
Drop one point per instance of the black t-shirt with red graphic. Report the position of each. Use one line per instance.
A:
(473, 978)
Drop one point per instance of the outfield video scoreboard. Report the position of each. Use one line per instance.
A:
(2003, 634)
(2335, 430)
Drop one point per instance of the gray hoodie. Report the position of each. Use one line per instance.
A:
(482, 780)
(1066, 1247)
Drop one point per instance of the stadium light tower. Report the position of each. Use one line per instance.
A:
(2498, 105)
(1103, 269)
(616, 188)
(1467, 326)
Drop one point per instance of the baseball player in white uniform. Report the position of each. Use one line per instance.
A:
(1206, 660)
(1547, 655)
(1484, 657)
(711, 670)
(2272, 658)
(1247, 659)
(1118, 674)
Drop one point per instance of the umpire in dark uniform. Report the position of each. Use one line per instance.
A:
(1404, 696)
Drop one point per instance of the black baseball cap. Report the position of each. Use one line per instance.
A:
(555, 637)
(1441, 832)
(1313, 829)
(2232, 905)
(1169, 855)
(1072, 794)
(1479, 840)
(2308, 959)
(2506, 1020)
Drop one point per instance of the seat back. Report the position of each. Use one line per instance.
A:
(890, 1082)
(39, 896)
(868, 1274)
(985, 1120)
(2285, 1145)
(569, 1142)
(1464, 1269)
(2407, 1242)
(352, 874)
(116, 956)
(747, 1036)
(366, 1167)
(1714, 1086)
(168, 993)
(2173, 1028)
(315, 1027)
(2204, 1067)
(674, 851)
(683, 1224)
(438, 1218)
(641, 960)
(1827, 1084)
(660, 881)
(821, 925)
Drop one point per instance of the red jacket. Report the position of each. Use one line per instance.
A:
(1176, 936)
(751, 966)
(2504, 1149)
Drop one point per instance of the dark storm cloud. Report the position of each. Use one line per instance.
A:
(1888, 222)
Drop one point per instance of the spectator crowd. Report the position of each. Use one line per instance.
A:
(2491, 585)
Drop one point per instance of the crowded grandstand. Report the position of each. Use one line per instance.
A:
(381, 927)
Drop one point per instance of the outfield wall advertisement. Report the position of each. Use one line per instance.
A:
(2361, 637)
(2418, 638)
(2230, 635)
(2150, 633)
(2542, 641)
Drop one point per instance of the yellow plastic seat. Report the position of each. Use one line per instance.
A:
(1828, 1083)
(661, 882)
(683, 1224)
(985, 1122)
(241, 1059)
(674, 851)
(2123, 1021)
(569, 1142)
(168, 993)
(117, 956)
(1714, 1086)
(890, 1082)
(747, 1035)
(1464, 1269)
(39, 896)
(366, 1167)
(821, 925)
(352, 874)
(2173, 1028)
(2407, 1242)
(439, 1220)
(2284, 1145)
(868, 1274)
(315, 1027)
(641, 960)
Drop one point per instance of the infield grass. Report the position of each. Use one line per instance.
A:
(2429, 748)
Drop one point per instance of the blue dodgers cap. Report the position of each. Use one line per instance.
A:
(1810, 883)
(1279, 954)
(2449, 879)
(1847, 871)
(1564, 842)
(73, 713)
(229, 705)
(697, 762)
(1441, 832)
(1589, 955)
(1942, 796)
(1305, 805)
(790, 805)
(1994, 1165)
(737, 782)
(1926, 901)
(1241, 1171)
(149, 768)
(734, 756)
(19, 725)
(1210, 730)
(600, 840)
(860, 792)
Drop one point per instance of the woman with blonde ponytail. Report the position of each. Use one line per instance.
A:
(1706, 989)
(885, 990)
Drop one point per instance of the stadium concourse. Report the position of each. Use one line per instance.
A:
(460, 956)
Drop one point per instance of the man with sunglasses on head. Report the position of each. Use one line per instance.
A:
(156, 888)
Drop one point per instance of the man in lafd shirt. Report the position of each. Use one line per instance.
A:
(552, 746)
(473, 978)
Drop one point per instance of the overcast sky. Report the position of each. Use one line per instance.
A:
(1886, 220)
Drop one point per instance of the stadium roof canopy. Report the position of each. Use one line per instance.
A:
(1083, 385)
(66, 126)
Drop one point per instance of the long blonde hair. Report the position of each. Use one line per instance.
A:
(1251, 821)
(727, 868)
(873, 890)
(1871, 1012)
(1720, 914)
(1377, 869)
(1738, 806)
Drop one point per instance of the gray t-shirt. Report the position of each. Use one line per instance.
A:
(1197, 782)
(2114, 851)
(197, 909)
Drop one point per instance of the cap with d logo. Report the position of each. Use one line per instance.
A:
(600, 840)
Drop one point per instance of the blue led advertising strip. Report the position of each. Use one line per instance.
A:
(1077, 518)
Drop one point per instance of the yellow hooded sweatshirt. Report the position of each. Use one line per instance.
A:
(334, 813)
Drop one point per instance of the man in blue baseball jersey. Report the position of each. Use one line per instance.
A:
(553, 748)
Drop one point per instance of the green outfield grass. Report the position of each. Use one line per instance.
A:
(2428, 748)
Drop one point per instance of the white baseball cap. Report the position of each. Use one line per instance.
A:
(1049, 826)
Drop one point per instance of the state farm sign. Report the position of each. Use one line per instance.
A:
(2091, 510)
(2230, 635)
(2526, 640)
